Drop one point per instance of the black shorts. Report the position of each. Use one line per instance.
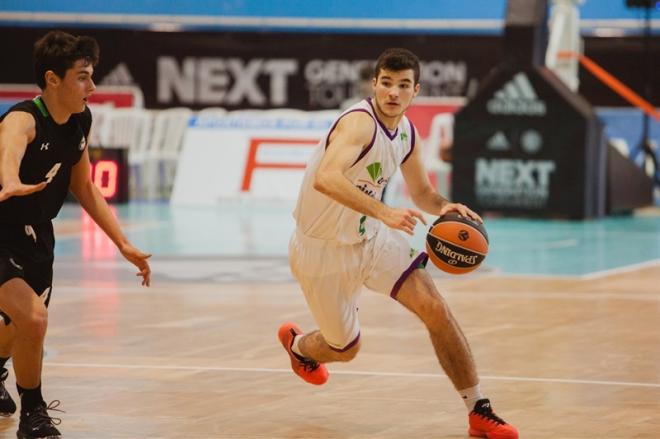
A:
(26, 251)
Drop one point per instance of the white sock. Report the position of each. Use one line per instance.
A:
(470, 396)
(294, 345)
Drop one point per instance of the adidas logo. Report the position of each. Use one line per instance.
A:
(498, 142)
(517, 97)
(120, 75)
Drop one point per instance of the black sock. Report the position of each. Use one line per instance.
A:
(3, 361)
(30, 398)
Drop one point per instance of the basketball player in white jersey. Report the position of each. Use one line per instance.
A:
(346, 237)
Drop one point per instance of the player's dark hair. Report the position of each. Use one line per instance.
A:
(397, 59)
(58, 51)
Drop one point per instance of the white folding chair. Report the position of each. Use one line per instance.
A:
(100, 130)
(169, 127)
(131, 128)
(211, 112)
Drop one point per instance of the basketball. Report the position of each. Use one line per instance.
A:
(456, 244)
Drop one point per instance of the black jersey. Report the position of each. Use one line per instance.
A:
(50, 157)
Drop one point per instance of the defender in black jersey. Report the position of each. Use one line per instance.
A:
(43, 155)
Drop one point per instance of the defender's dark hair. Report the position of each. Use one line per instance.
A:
(397, 59)
(366, 73)
(58, 51)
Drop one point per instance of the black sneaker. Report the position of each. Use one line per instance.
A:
(37, 424)
(7, 405)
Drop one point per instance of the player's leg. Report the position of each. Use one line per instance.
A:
(30, 317)
(7, 333)
(338, 337)
(329, 277)
(25, 286)
(12, 278)
(419, 295)
(314, 345)
(398, 271)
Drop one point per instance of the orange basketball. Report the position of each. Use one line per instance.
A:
(456, 244)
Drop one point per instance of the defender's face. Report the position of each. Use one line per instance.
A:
(394, 91)
(77, 86)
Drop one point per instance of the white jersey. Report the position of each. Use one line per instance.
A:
(319, 216)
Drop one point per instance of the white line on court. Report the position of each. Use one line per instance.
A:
(620, 270)
(589, 276)
(212, 263)
(348, 373)
(173, 288)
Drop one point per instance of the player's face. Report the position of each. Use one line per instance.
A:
(76, 86)
(394, 91)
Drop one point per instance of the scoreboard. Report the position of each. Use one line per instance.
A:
(110, 172)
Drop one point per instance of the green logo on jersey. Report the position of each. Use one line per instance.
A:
(361, 229)
(413, 253)
(375, 171)
(404, 137)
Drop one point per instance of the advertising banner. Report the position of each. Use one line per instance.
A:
(253, 154)
(262, 154)
(310, 71)
(528, 145)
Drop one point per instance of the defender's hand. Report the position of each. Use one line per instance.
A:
(20, 189)
(139, 259)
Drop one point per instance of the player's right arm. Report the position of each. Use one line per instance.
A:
(351, 135)
(16, 131)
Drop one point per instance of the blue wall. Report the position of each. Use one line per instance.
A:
(392, 9)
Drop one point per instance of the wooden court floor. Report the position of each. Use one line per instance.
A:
(559, 358)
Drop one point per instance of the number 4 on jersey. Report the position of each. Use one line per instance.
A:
(53, 172)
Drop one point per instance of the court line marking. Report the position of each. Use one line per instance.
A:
(588, 276)
(350, 373)
(212, 288)
(212, 260)
(620, 270)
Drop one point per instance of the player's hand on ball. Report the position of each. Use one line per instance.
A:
(461, 209)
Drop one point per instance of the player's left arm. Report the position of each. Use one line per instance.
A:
(422, 191)
(92, 201)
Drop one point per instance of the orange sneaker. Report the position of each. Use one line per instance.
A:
(485, 423)
(309, 370)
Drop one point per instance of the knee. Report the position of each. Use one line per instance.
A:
(434, 311)
(348, 354)
(424, 299)
(33, 325)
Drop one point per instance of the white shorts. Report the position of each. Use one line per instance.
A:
(331, 276)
